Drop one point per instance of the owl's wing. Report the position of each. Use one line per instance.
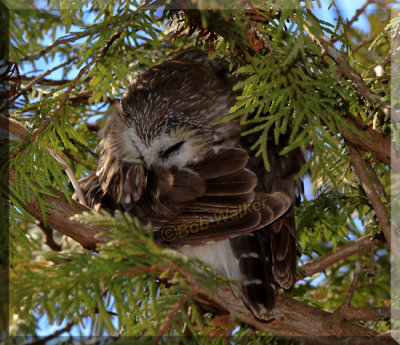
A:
(267, 257)
(212, 199)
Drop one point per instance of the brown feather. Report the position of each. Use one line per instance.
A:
(221, 163)
(218, 201)
(187, 186)
(218, 231)
(238, 183)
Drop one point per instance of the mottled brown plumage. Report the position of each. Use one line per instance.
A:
(164, 161)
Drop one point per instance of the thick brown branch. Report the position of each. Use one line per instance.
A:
(292, 318)
(59, 217)
(375, 142)
(374, 198)
(342, 252)
(368, 314)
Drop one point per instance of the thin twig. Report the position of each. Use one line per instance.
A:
(374, 198)
(71, 175)
(378, 183)
(49, 237)
(50, 82)
(353, 287)
(34, 81)
(54, 335)
(362, 44)
(370, 140)
(56, 43)
(360, 11)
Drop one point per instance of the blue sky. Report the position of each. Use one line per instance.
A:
(348, 10)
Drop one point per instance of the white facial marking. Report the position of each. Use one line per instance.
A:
(152, 152)
(251, 282)
(249, 255)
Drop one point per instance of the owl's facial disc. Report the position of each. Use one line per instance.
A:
(177, 147)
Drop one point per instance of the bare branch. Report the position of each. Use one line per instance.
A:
(59, 217)
(34, 81)
(342, 252)
(62, 40)
(377, 182)
(359, 12)
(374, 198)
(50, 82)
(52, 336)
(49, 237)
(376, 142)
(291, 318)
(353, 287)
(71, 175)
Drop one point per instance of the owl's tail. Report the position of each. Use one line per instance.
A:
(267, 262)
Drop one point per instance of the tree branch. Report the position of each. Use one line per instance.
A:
(52, 336)
(59, 217)
(342, 252)
(374, 198)
(370, 314)
(50, 82)
(62, 40)
(359, 11)
(49, 237)
(34, 81)
(376, 142)
(341, 312)
(291, 318)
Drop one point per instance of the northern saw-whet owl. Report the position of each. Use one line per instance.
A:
(163, 160)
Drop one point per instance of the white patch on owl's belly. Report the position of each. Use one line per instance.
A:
(219, 255)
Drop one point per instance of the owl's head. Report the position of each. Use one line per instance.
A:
(164, 123)
(147, 129)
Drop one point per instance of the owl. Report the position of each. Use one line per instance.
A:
(164, 160)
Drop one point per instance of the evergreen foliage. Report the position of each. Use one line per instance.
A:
(130, 286)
